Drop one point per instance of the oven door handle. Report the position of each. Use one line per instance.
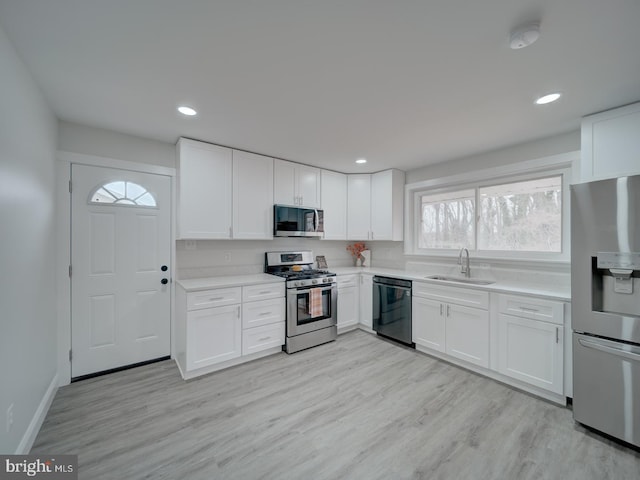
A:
(307, 290)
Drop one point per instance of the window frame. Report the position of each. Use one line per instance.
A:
(122, 201)
(559, 165)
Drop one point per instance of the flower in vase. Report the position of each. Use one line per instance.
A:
(356, 249)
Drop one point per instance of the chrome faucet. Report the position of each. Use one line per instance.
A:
(464, 267)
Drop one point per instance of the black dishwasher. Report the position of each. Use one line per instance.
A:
(392, 309)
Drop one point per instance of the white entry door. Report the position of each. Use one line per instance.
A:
(120, 258)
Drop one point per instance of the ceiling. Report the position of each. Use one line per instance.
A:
(402, 83)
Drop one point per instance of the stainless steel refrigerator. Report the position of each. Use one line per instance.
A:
(605, 306)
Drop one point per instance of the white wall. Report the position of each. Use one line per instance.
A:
(76, 138)
(391, 254)
(28, 342)
(546, 147)
(238, 257)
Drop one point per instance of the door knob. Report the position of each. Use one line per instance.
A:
(164, 281)
(164, 268)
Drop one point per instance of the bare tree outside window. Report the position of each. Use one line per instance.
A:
(522, 216)
(448, 220)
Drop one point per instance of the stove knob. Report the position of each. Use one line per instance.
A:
(314, 281)
(296, 284)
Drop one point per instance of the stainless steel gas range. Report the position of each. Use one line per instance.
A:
(312, 297)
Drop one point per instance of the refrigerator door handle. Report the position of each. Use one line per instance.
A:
(613, 350)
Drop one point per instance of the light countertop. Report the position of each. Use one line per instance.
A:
(196, 284)
(552, 292)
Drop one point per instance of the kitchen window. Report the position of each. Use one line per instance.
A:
(519, 216)
(448, 220)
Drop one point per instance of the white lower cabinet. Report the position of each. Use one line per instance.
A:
(348, 302)
(467, 334)
(264, 312)
(214, 335)
(531, 350)
(366, 300)
(263, 323)
(428, 323)
(257, 339)
(218, 328)
(452, 327)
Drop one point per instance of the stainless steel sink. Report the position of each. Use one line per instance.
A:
(472, 281)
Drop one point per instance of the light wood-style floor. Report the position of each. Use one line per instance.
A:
(358, 408)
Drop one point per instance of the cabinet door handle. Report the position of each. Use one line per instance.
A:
(557, 335)
(528, 309)
(238, 311)
(215, 299)
(264, 313)
(265, 292)
(264, 339)
(440, 309)
(448, 309)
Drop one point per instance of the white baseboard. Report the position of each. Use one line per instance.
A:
(36, 422)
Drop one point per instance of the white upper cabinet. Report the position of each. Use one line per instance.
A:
(359, 207)
(204, 190)
(387, 203)
(222, 193)
(610, 144)
(296, 184)
(334, 204)
(375, 206)
(284, 183)
(252, 196)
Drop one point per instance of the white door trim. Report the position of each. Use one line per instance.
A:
(63, 244)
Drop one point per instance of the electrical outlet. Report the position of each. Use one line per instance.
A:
(189, 244)
(10, 418)
(227, 257)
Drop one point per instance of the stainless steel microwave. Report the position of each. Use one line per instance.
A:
(297, 221)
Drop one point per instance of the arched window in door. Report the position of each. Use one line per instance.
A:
(123, 193)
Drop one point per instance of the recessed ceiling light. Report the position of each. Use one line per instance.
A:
(361, 160)
(185, 110)
(552, 97)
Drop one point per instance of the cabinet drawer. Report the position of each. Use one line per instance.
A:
(263, 312)
(262, 338)
(347, 281)
(534, 308)
(262, 292)
(459, 296)
(213, 298)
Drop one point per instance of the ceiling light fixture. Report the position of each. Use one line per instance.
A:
(185, 110)
(524, 36)
(552, 97)
(361, 160)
